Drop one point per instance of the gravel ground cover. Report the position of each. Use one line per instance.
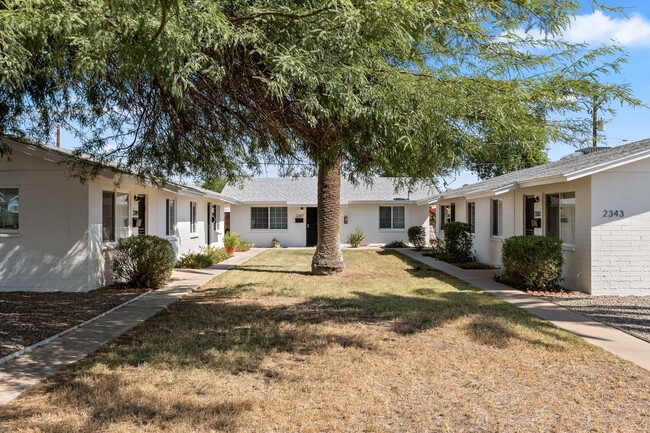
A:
(629, 313)
(29, 317)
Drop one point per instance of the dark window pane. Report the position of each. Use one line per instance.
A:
(398, 217)
(259, 218)
(384, 217)
(553, 215)
(108, 218)
(497, 218)
(9, 208)
(278, 218)
(471, 216)
(171, 217)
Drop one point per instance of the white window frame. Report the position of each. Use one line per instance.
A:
(13, 231)
(447, 215)
(471, 216)
(284, 212)
(115, 219)
(193, 218)
(268, 218)
(392, 218)
(499, 218)
(171, 227)
(559, 195)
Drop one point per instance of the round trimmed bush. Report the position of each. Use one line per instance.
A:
(532, 262)
(417, 236)
(143, 261)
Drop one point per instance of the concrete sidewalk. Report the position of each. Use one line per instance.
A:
(618, 342)
(32, 367)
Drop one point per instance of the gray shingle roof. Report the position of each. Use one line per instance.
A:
(303, 191)
(565, 169)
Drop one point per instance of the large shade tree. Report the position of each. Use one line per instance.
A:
(215, 88)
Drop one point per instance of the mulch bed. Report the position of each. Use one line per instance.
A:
(29, 317)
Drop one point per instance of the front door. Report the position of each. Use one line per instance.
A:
(312, 226)
(529, 215)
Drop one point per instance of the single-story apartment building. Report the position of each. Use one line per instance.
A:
(285, 209)
(57, 234)
(597, 201)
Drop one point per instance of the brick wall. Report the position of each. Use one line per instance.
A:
(621, 244)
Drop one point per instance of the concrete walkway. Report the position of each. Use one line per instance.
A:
(618, 342)
(32, 367)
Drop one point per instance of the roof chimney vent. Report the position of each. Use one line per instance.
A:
(585, 151)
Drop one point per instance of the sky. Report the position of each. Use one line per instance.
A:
(632, 33)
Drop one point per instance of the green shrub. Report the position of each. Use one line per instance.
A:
(231, 240)
(532, 262)
(396, 244)
(356, 237)
(143, 261)
(458, 241)
(417, 236)
(243, 246)
(216, 254)
(443, 256)
(194, 261)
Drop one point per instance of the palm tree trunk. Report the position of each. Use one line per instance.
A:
(328, 259)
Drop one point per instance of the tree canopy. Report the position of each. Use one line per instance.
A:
(214, 88)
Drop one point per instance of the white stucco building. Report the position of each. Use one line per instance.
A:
(285, 209)
(56, 233)
(597, 202)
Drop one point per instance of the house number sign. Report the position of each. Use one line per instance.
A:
(613, 213)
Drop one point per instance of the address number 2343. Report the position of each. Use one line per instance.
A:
(613, 213)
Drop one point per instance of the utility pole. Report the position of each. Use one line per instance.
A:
(594, 122)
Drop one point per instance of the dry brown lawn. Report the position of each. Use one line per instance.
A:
(390, 346)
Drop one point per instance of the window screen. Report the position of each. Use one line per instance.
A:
(471, 216)
(497, 218)
(398, 217)
(192, 217)
(171, 217)
(385, 217)
(108, 216)
(259, 218)
(9, 209)
(278, 218)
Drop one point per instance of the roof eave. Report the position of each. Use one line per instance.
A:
(428, 200)
(608, 165)
(392, 201)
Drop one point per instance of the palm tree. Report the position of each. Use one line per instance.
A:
(328, 259)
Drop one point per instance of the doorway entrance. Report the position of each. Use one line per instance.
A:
(529, 215)
(312, 226)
